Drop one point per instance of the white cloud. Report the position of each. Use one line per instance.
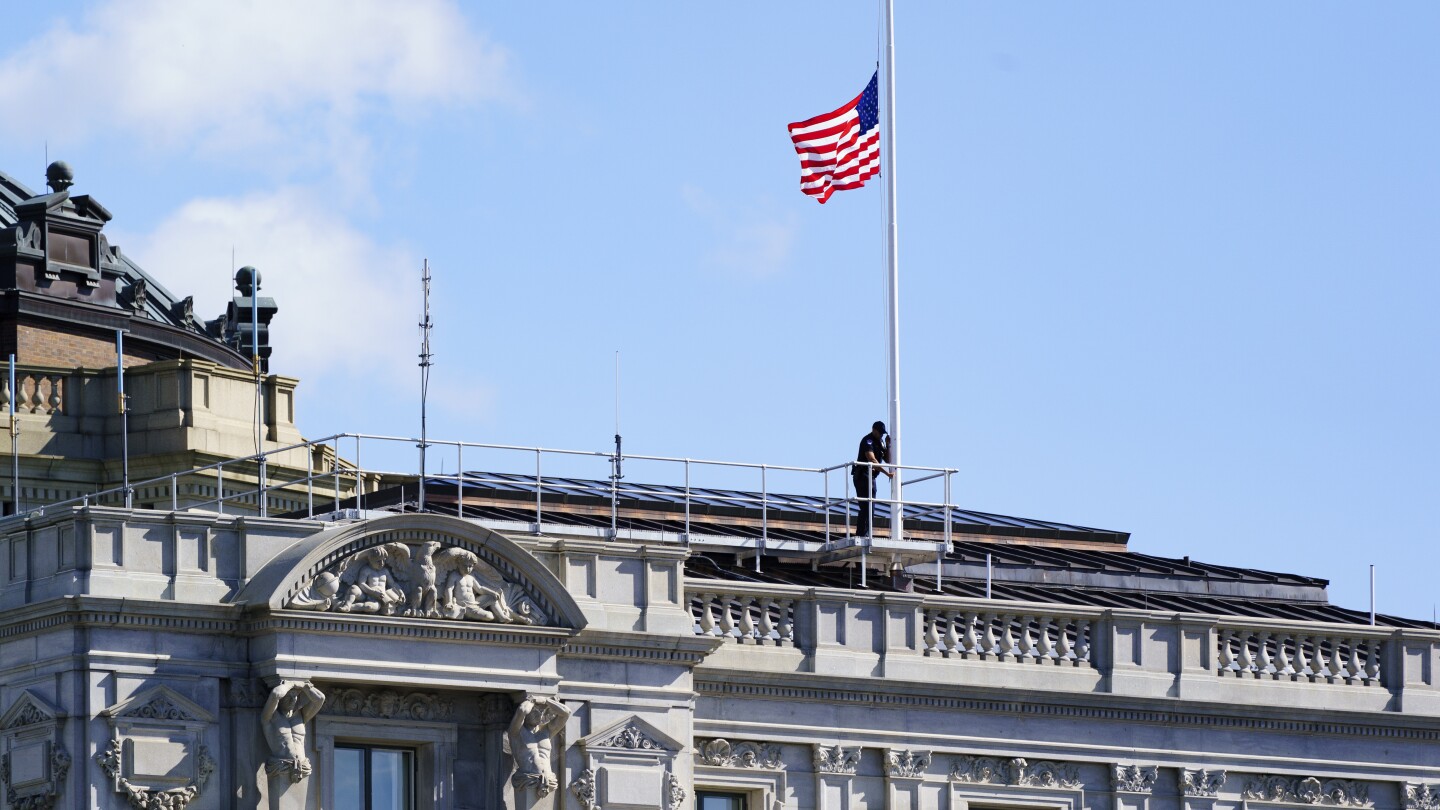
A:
(272, 79)
(348, 305)
(750, 243)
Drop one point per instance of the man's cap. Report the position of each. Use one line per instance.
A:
(880, 426)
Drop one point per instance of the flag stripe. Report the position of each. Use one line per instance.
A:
(840, 150)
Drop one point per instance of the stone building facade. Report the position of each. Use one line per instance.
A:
(513, 643)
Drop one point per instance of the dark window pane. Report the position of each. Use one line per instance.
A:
(349, 777)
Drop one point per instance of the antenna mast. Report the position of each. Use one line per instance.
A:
(615, 460)
(425, 326)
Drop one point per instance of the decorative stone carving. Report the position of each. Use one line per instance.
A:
(34, 764)
(139, 294)
(184, 311)
(631, 737)
(388, 704)
(1135, 778)
(145, 798)
(1201, 782)
(674, 792)
(244, 693)
(584, 789)
(49, 791)
(906, 764)
(538, 720)
(836, 759)
(1015, 771)
(425, 581)
(1307, 790)
(290, 706)
(156, 757)
(1422, 797)
(721, 753)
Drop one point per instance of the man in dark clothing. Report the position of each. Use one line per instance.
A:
(874, 449)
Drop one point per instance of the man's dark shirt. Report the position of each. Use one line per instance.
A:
(870, 444)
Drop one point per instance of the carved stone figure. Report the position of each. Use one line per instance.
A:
(530, 740)
(373, 581)
(474, 590)
(424, 580)
(674, 792)
(425, 598)
(290, 706)
(584, 789)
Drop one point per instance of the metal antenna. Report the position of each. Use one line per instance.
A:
(425, 363)
(14, 442)
(124, 415)
(1372, 593)
(616, 460)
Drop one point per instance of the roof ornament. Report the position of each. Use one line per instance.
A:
(59, 176)
(246, 279)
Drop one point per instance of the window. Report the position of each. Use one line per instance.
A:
(709, 800)
(374, 778)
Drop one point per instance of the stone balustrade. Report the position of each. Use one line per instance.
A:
(1046, 638)
(1290, 653)
(1047, 647)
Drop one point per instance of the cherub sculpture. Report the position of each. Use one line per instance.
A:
(372, 580)
(475, 590)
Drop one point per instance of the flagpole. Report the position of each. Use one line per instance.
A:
(897, 529)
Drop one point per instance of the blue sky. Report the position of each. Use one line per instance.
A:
(1165, 269)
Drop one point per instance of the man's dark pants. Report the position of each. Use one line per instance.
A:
(864, 491)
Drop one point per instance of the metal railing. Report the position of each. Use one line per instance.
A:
(251, 479)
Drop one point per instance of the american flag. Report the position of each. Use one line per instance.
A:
(841, 149)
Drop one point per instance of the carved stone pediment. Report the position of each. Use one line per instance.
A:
(160, 705)
(422, 567)
(632, 734)
(28, 710)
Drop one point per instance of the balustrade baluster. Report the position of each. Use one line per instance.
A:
(1062, 640)
(787, 624)
(707, 614)
(1007, 638)
(1337, 667)
(1027, 641)
(1282, 658)
(970, 641)
(1305, 665)
(727, 619)
(1227, 658)
(952, 632)
(1262, 662)
(35, 398)
(1247, 659)
(932, 632)
(1352, 662)
(1047, 648)
(767, 627)
(747, 619)
(989, 638)
(1082, 641)
(1373, 648)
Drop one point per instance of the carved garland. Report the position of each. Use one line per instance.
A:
(584, 789)
(722, 754)
(1201, 782)
(1307, 790)
(148, 798)
(388, 704)
(674, 792)
(1015, 771)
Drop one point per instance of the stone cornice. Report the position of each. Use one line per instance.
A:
(617, 646)
(889, 694)
(298, 621)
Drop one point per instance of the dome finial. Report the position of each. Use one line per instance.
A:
(59, 177)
